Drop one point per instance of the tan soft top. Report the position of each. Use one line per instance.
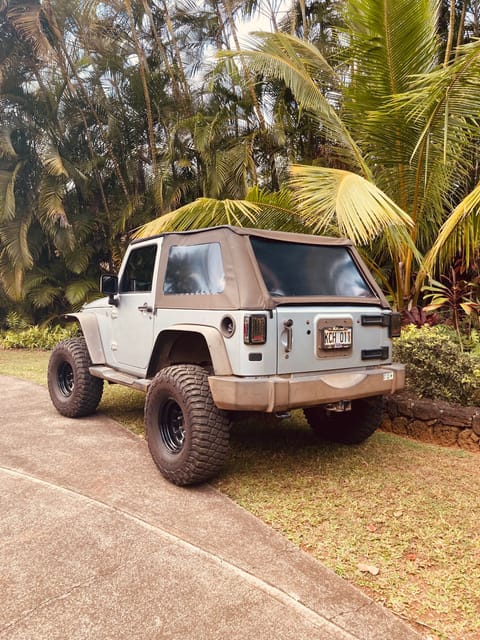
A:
(244, 285)
(284, 236)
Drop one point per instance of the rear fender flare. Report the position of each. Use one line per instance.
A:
(214, 341)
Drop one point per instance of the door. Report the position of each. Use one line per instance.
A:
(133, 318)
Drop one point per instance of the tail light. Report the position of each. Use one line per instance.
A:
(255, 329)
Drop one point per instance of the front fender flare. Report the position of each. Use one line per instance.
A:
(91, 332)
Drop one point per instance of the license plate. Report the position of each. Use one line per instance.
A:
(337, 338)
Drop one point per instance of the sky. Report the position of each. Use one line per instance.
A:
(262, 22)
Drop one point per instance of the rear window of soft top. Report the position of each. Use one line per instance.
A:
(300, 270)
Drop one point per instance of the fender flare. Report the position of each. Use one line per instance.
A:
(91, 332)
(215, 343)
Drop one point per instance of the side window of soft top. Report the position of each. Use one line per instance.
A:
(138, 273)
(194, 270)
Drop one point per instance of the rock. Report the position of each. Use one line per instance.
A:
(391, 406)
(425, 409)
(468, 440)
(399, 426)
(386, 424)
(368, 568)
(456, 415)
(433, 421)
(476, 422)
(420, 430)
(446, 435)
(404, 405)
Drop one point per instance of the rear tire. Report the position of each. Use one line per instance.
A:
(350, 427)
(74, 392)
(187, 434)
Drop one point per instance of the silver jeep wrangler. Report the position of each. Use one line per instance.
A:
(218, 321)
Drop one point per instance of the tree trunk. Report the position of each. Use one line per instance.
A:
(143, 67)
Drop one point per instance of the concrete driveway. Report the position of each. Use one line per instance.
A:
(95, 544)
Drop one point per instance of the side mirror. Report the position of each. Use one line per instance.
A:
(109, 285)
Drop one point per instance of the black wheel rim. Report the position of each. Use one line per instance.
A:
(171, 425)
(66, 379)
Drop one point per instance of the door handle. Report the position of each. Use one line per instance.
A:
(146, 307)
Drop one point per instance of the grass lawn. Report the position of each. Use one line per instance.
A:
(407, 509)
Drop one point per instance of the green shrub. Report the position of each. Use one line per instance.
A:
(472, 343)
(16, 322)
(36, 337)
(436, 366)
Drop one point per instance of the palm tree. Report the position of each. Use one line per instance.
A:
(402, 122)
(53, 203)
(107, 122)
(415, 119)
(101, 131)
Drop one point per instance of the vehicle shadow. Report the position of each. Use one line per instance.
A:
(272, 443)
(289, 447)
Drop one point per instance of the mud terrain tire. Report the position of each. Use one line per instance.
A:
(74, 392)
(187, 435)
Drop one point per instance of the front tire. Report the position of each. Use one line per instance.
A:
(187, 434)
(350, 427)
(74, 392)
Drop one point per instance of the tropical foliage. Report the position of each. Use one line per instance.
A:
(347, 117)
(425, 351)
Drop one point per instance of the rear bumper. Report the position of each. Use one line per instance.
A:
(280, 393)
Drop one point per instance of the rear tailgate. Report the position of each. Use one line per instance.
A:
(315, 339)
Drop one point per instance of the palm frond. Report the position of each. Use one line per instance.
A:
(333, 198)
(7, 193)
(13, 238)
(44, 295)
(277, 210)
(445, 103)
(6, 146)
(388, 43)
(156, 188)
(453, 84)
(280, 200)
(203, 212)
(53, 162)
(26, 18)
(126, 211)
(11, 277)
(77, 291)
(459, 235)
(233, 168)
(301, 66)
(205, 130)
(78, 260)
(64, 238)
(51, 201)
